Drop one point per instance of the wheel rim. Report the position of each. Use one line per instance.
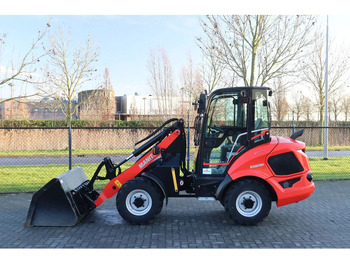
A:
(138, 202)
(249, 203)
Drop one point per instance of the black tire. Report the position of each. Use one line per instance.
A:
(247, 202)
(139, 200)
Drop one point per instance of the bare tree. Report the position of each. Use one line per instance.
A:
(257, 48)
(161, 81)
(67, 72)
(314, 72)
(345, 104)
(109, 104)
(297, 105)
(191, 85)
(302, 106)
(335, 106)
(280, 106)
(211, 69)
(23, 71)
(98, 104)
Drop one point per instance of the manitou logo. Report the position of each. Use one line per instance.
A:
(146, 161)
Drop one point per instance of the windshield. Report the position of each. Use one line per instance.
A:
(227, 110)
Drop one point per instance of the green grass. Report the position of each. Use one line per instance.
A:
(32, 178)
(330, 148)
(333, 168)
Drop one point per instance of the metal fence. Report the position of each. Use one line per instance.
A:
(30, 157)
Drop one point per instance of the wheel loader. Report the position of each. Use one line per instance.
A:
(236, 162)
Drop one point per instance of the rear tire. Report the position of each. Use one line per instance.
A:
(247, 202)
(139, 200)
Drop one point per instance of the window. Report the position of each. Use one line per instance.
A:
(261, 114)
(226, 130)
(226, 111)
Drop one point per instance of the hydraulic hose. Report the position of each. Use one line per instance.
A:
(157, 130)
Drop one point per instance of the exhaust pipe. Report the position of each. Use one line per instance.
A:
(64, 201)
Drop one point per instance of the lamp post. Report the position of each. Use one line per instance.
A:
(325, 137)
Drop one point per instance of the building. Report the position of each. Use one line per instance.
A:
(34, 110)
(140, 107)
(98, 104)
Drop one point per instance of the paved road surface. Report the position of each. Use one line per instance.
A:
(321, 221)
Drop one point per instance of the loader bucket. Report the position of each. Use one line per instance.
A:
(63, 201)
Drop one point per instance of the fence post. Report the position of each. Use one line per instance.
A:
(188, 139)
(293, 125)
(325, 137)
(70, 147)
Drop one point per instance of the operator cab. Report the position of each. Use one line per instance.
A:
(234, 120)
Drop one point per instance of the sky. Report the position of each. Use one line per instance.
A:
(125, 42)
(127, 33)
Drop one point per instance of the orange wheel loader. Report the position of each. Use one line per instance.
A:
(236, 162)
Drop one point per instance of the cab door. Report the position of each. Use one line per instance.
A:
(226, 121)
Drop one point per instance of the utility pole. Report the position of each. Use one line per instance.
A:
(325, 138)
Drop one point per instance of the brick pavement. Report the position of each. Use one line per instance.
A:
(322, 221)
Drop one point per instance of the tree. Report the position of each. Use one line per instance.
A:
(67, 72)
(212, 70)
(280, 106)
(335, 106)
(98, 104)
(161, 81)
(345, 104)
(257, 48)
(191, 85)
(108, 104)
(23, 71)
(302, 106)
(314, 73)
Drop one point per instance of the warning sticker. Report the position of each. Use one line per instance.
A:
(118, 183)
(206, 171)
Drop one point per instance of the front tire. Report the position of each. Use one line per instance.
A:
(139, 200)
(247, 202)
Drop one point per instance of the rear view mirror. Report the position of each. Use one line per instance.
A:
(202, 103)
(195, 104)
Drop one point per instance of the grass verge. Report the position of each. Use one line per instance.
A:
(32, 178)
(333, 168)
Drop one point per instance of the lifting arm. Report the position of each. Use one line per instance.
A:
(114, 185)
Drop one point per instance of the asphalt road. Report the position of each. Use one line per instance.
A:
(321, 221)
(88, 159)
